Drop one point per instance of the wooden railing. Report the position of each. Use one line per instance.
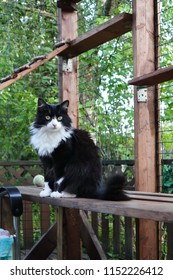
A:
(110, 223)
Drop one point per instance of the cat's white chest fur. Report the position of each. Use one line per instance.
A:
(46, 139)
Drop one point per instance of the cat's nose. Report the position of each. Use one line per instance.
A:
(54, 125)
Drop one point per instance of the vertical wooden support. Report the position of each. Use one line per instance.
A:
(145, 121)
(59, 219)
(68, 80)
(68, 234)
(68, 86)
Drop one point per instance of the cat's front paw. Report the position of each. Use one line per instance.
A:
(56, 194)
(45, 193)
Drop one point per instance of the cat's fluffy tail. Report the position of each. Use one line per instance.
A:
(114, 189)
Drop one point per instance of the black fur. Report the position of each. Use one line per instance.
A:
(77, 160)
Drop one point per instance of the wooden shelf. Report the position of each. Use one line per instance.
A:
(156, 77)
(107, 31)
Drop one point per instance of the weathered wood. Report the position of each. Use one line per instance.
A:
(116, 235)
(137, 208)
(45, 246)
(145, 120)
(68, 234)
(101, 34)
(147, 242)
(27, 224)
(71, 234)
(153, 78)
(94, 222)
(68, 90)
(33, 67)
(68, 80)
(90, 239)
(59, 220)
(44, 218)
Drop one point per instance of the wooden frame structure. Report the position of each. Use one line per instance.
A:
(146, 74)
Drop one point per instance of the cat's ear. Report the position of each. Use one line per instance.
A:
(41, 103)
(65, 105)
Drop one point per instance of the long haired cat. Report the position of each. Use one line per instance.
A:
(71, 160)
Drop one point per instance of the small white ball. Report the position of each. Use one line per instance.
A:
(38, 180)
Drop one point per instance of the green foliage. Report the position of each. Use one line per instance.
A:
(27, 29)
(167, 178)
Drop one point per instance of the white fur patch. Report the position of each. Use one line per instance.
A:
(47, 138)
(60, 180)
(62, 194)
(46, 191)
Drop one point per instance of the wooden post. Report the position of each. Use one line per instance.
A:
(68, 89)
(68, 80)
(145, 121)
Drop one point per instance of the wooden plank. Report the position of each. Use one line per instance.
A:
(33, 67)
(101, 34)
(45, 246)
(90, 239)
(145, 121)
(153, 78)
(147, 209)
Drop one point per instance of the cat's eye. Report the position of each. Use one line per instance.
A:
(47, 118)
(59, 118)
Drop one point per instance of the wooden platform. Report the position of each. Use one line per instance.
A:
(150, 206)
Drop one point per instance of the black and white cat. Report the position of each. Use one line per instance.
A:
(71, 160)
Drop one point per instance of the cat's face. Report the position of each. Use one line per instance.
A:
(52, 116)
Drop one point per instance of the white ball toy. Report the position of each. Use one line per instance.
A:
(38, 180)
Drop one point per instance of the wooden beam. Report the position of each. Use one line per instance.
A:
(101, 34)
(68, 90)
(59, 220)
(44, 246)
(153, 78)
(151, 207)
(107, 31)
(145, 121)
(90, 239)
(68, 80)
(68, 234)
(71, 235)
(32, 67)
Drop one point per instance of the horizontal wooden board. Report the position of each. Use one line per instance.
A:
(101, 34)
(156, 77)
(158, 209)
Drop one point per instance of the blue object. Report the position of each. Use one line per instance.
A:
(6, 248)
